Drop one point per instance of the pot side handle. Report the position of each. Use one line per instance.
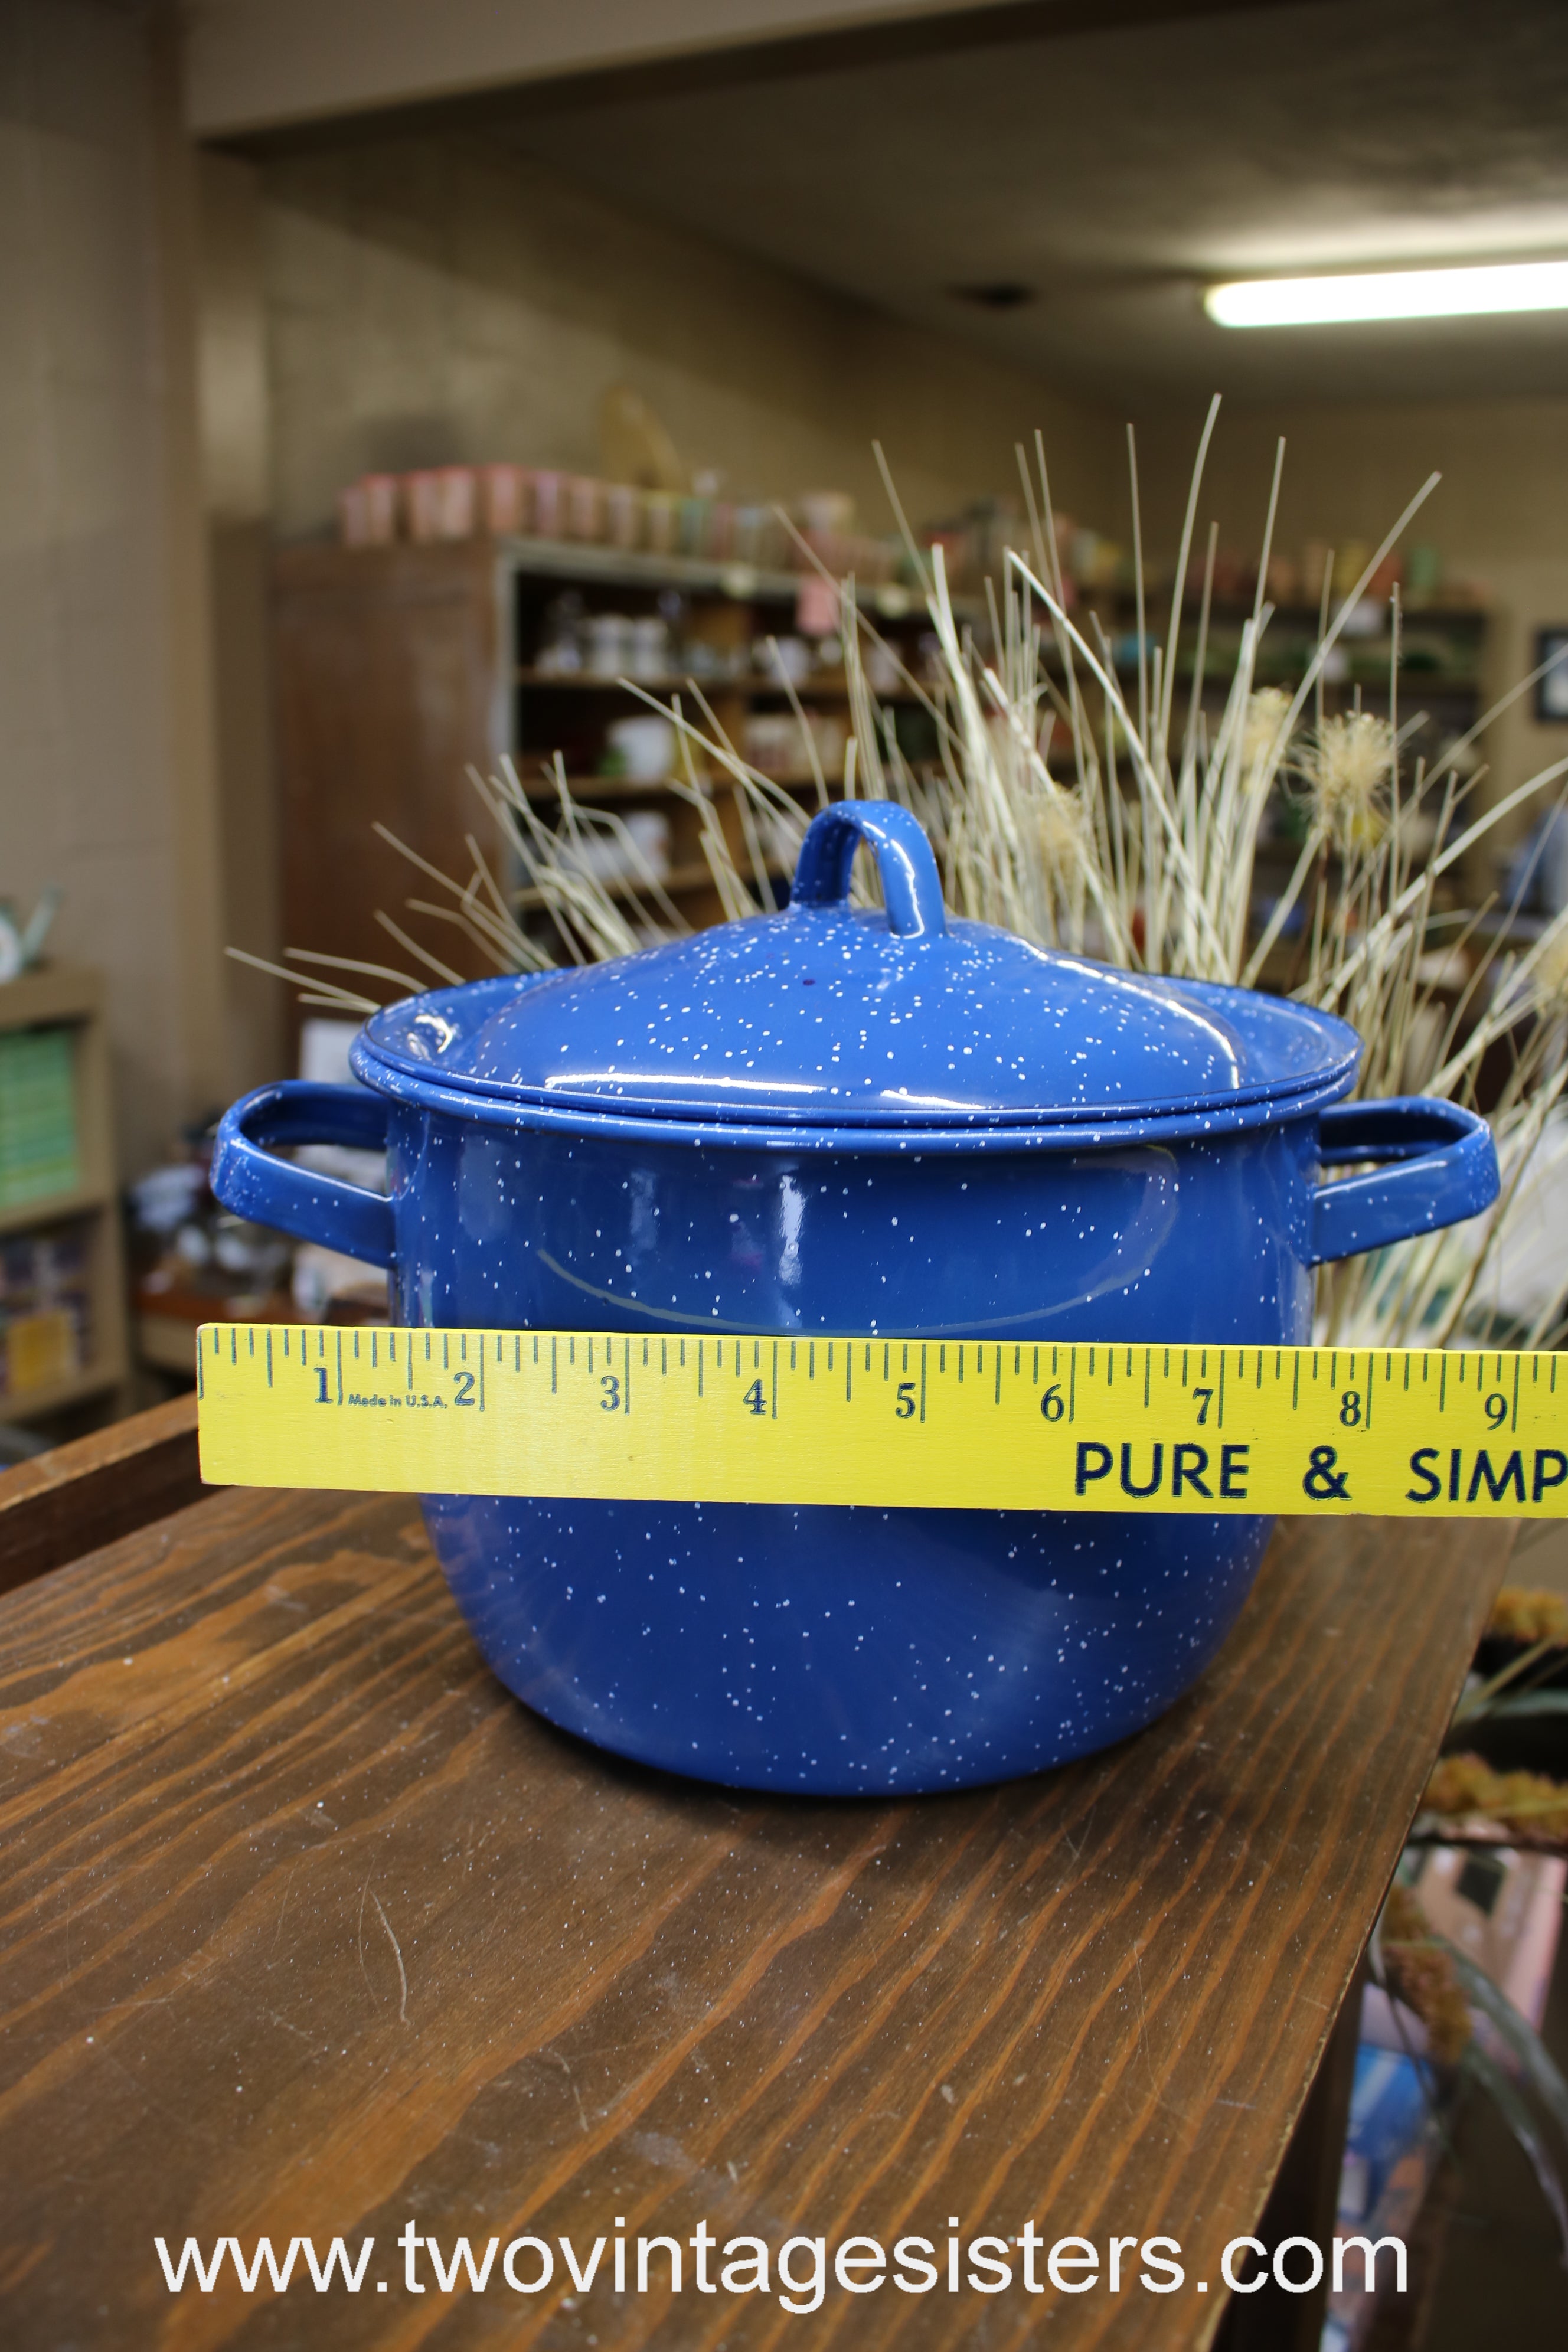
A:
(247, 1177)
(1439, 1167)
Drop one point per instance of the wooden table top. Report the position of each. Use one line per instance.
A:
(307, 1927)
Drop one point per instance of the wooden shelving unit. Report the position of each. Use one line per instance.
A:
(1441, 649)
(595, 789)
(680, 880)
(62, 997)
(1440, 679)
(402, 668)
(820, 685)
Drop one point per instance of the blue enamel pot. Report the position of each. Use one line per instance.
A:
(833, 1121)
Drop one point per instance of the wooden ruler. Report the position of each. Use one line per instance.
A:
(957, 1424)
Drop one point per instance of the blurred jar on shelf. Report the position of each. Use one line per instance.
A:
(816, 606)
(441, 502)
(549, 492)
(584, 508)
(884, 674)
(368, 510)
(649, 654)
(641, 749)
(661, 511)
(506, 502)
(607, 645)
(609, 849)
(758, 538)
(693, 520)
(560, 653)
(623, 515)
(778, 746)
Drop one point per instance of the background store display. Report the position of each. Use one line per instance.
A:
(193, 1262)
(38, 1147)
(46, 1311)
(507, 500)
(62, 1300)
(1551, 691)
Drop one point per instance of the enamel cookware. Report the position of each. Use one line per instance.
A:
(833, 1121)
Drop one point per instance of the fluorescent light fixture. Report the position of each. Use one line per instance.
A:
(1472, 293)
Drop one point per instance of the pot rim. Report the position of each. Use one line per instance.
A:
(491, 1104)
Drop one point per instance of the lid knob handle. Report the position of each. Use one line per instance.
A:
(911, 887)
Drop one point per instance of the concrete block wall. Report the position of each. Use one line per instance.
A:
(101, 667)
(438, 300)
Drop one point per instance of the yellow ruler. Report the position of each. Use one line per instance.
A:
(954, 1424)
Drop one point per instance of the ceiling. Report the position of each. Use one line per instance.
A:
(1113, 173)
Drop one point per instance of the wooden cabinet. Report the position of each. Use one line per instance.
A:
(392, 667)
(62, 1283)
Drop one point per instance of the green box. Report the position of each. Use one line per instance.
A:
(39, 1154)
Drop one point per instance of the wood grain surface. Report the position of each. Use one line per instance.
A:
(75, 1497)
(307, 1927)
(385, 662)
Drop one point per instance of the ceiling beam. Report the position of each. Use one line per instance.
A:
(266, 74)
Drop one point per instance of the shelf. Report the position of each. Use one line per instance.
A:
(829, 684)
(62, 995)
(583, 681)
(588, 791)
(679, 880)
(625, 567)
(164, 1329)
(1220, 669)
(51, 992)
(327, 562)
(167, 1343)
(677, 883)
(1413, 691)
(1234, 611)
(834, 686)
(741, 583)
(53, 1396)
(1411, 617)
(52, 1209)
(167, 1321)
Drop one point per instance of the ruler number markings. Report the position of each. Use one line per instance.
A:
(1502, 1454)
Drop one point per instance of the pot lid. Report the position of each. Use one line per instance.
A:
(826, 1016)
